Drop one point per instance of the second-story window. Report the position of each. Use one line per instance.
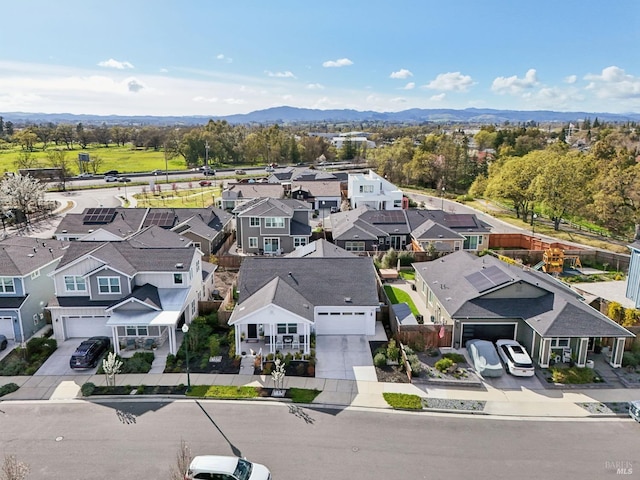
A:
(254, 221)
(6, 285)
(274, 222)
(109, 284)
(75, 283)
(178, 278)
(366, 188)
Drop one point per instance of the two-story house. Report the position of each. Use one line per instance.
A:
(126, 291)
(25, 287)
(374, 191)
(268, 226)
(207, 228)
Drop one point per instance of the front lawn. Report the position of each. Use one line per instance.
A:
(223, 391)
(572, 375)
(397, 295)
(403, 401)
(409, 275)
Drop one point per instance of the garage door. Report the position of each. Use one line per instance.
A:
(491, 331)
(6, 327)
(82, 327)
(342, 324)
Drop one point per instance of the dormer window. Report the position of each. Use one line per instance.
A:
(107, 285)
(178, 278)
(7, 285)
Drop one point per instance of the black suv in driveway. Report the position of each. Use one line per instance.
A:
(89, 352)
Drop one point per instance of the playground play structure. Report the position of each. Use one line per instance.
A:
(553, 261)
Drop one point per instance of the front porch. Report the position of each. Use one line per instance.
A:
(579, 350)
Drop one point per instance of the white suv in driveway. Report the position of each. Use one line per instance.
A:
(515, 358)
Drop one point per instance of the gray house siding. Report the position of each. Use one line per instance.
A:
(125, 285)
(41, 290)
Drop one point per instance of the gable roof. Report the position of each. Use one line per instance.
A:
(457, 222)
(266, 207)
(155, 236)
(321, 281)
(20, 256)
(464, 285)
(320, 248)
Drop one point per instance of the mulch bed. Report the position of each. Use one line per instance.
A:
(142, 390)
(297, 368)
(388, 373)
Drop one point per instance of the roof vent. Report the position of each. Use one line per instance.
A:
(64, 231)
(29, 254)
(179, 265)
(90, 230)
(347, 299)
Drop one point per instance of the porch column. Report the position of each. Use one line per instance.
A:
(114, 340)
(545, 349)
(616, 353)
(172, 341)
(237, 340)
(583, 345)
(307, 339)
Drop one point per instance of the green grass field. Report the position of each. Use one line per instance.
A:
(195, 197)
(124, 159)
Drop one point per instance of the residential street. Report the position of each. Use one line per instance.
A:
(84, 440)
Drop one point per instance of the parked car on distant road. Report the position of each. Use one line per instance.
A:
(85, 175)
(112, 173)
(89, 352)
(515, 358)
(484, 358)
(228, 468)
(124, 179)
(205, 183)
(157, 172)
(110, 178)
(209, 172)
(240, 172)
(269, 169)
(3, 342)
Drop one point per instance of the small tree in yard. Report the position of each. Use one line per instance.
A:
(12, 469)
(183, 459)
(278, 374)
(111, 366)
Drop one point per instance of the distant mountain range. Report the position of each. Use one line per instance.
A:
(292, 115)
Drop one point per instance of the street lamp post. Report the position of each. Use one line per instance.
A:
(442, 202)
(533, 224)
(206, 155)
(185, 330)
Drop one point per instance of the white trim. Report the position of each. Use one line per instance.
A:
(462, 323)
(110, 287)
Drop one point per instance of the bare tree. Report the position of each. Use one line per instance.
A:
(95, 162)
(183, 459)
(26, 160)
(58, 159)
(12, 469)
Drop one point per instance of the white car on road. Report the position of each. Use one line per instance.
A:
(231, 468)
(515, 358)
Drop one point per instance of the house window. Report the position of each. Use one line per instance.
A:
(254, 221)
(35, 274)
(284, 328)
(430, 297)
(272, 245)
(397, 203)
(193, 307)
(366, 188)
(299, 241)
(471, 242)
(197, 244)
(354, 246)
(137, 331)
(74, 283)
(559, 342)
(274, 222)
(253, 242)
(6, 285)
(178, 278)
(109, 285)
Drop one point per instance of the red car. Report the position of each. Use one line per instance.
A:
(205, 183)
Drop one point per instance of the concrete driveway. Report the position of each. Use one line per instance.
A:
(344, 357)
(58, 363)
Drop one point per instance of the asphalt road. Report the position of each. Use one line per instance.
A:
(84, 440)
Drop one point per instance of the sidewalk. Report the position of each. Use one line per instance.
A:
(346, 393)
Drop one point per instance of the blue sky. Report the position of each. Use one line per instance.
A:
(197, 57)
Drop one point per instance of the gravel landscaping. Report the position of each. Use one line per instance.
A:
(606, 408)
(452, 404)
(462, 375)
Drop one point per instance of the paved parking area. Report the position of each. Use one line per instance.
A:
(344, 357)
(58, 363)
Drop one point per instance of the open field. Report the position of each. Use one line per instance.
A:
(194, 197)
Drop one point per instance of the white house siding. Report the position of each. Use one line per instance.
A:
(345, 321)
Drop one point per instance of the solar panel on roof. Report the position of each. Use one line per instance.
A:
(479, 281)
(488, 278)
(460, 221)
(497, 276)
(161, 219)
(99, 215)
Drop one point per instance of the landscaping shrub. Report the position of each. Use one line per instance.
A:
(406, 258)
(417, 344)
(41, 346)
(416, 365)
(13, 366)
(572, 375)
(214, 345)
(8, 388)
(171, 361)
(393, 351)
(390, 259)
(629, 360)
(87, 389)
(379, 360)
(455, 357)
(444, 364)
(300, 368)
(139, 363)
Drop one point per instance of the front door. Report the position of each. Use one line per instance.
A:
(252, 331)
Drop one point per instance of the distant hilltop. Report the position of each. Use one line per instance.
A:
(291, 115)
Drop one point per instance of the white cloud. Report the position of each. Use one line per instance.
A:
(205, 100)
(111, 63)
(570, 79)
(614, 82)
(409, 86)
(398, 100)
(315, 86)
(286, 74)
(403, 73)
(451, 82)
(438, 98)
(234, 101)
(164, 70)
(221, 56)
(342, 62)
(514, 85)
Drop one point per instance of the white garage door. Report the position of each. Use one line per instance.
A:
(82, 327)
(342, 324)
(6, 327)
